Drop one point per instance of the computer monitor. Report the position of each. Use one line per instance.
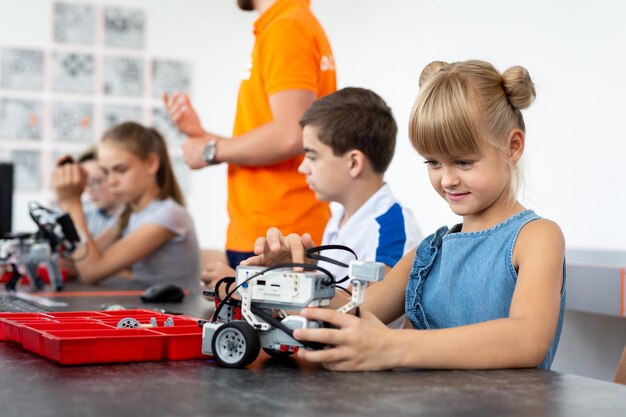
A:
(6, 197)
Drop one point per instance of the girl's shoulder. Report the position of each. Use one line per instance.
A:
(160, 211)
(540, 236)
(541, 228)
(166, 205)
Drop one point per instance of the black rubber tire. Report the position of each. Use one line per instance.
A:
(235, 344)
(277, 353)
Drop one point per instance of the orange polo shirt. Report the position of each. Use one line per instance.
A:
(291, 52)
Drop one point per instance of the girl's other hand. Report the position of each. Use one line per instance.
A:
(357, 344)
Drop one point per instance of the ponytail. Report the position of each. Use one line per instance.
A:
(165, 175)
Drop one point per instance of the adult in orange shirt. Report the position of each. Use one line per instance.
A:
(292, 65)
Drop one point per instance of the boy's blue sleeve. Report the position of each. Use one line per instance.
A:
(391, 236)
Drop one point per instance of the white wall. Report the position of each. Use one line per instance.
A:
(574, 50)
(575, 53)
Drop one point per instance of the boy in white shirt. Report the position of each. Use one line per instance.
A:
(349, 140)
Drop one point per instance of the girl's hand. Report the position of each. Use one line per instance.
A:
(358, 344)
(276, 248)
(69, 182)
(182, 114)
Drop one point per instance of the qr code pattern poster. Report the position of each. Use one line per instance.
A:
(124, 27)
(123, 76)
(74, 23)
(115, 114)
(22, 68)
(21, 119)
(169, 76)
(73, 121)
(73, 72)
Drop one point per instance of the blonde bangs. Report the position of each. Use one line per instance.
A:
(444, 118)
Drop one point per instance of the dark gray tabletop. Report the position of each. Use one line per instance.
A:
(33, 386)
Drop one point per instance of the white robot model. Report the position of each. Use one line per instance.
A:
(240, 328)
(22, 253)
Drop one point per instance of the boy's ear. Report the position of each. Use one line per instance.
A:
(357, 161)
(517, 141)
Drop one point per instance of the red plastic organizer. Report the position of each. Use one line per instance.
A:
(84, 337)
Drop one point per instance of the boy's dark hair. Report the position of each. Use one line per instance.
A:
(355, 118)
(89, 155)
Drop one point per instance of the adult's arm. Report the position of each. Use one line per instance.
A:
(269, 144)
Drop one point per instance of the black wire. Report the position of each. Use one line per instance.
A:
(346, 290)
(310, 253)
(342, 280)
(218, 285)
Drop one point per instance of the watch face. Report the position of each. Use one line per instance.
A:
(209, 152)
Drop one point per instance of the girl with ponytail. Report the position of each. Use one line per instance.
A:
(486, 293)
(155, 238)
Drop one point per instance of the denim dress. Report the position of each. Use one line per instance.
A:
(465, 278)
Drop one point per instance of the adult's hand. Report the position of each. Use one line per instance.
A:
(182, 114)
(193, 151)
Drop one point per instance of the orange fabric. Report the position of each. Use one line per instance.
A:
(291, 52)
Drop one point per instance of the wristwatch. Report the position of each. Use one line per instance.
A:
(209, 152)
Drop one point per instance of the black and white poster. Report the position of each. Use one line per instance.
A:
(74, 23)
(169, 76)
(73, 73)
(22, 69)
(115, 114)
(73, 121)
(123, 76)
(21, 119)
(124, 28)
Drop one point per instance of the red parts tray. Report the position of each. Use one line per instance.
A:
(84, 337)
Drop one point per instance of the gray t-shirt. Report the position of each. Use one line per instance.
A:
(98, 221)
(178, 259)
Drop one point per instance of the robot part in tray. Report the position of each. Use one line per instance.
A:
(131, 323)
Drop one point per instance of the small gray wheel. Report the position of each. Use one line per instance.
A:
(128, 323)
(236, 344)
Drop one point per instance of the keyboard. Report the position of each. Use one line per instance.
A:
(11, 303)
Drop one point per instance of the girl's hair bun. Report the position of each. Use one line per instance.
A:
(430, 70)
(519, 88)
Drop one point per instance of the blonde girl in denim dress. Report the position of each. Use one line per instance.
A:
(486, 293)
